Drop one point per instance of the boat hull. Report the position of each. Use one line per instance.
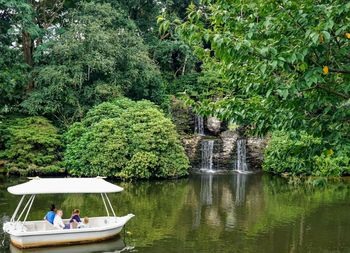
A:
(42, 238)
(32, 241)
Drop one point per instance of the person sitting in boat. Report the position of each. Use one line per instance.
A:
(58, 222)
(85, 223)
(75, 218)
(50, 216)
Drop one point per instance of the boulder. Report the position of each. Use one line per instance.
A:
(213, 124)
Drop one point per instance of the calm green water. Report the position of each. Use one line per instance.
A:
(211, 213)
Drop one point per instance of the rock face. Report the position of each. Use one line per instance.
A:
(255, 152)
(229, 139)
(183, 117)
(224, 151)
(213, 125)
(191, 144)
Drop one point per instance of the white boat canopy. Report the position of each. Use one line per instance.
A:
(64, 185)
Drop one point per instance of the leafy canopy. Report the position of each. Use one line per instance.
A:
(270, 56)
(93, 55)
(275, 65)
(126, 139)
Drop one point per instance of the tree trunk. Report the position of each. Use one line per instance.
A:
(27, 45)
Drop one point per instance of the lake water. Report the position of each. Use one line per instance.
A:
(210, 213)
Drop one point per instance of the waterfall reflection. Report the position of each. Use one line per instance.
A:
(223, 197)
(239, 187)
(206, 193)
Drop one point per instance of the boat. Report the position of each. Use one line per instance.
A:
(40, 233)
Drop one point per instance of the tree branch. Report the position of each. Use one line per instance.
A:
(343, 95)
(164, 36)
(342, 71)
(335, 38)
(325, 88)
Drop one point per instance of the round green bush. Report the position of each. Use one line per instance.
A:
(29, 143)
(125, 139)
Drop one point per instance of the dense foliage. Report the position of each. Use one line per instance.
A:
(126, 139)
(301, 153)
(94, 57)
(60, 58)
(279, 67)
(276, 65)
(29, 145)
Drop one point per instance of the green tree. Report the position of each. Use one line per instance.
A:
(126, 139)
(276, 65)
(95, 54)
(15, 19)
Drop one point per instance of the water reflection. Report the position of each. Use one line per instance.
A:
(222, 199)
(216, 213)
(206, 191)
(239, 187)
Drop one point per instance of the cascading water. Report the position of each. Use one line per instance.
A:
(241, 161)
(207, 155)
(199, 125)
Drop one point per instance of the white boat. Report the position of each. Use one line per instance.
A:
(40, 233)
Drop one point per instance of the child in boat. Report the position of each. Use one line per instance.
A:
(58, 222)
(50, 216)
(75, 218)
(85, 223)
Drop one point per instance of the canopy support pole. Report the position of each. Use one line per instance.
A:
(30, 206)
(104, 202)
(17, 209)
(25, 207)
(110, 205)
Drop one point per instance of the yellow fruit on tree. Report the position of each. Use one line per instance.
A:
(347, 35)
(325, 70)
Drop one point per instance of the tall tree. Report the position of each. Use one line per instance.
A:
(22, 29)
(93, 56)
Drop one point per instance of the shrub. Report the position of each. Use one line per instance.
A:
(31, 142)
(97, 150)
(32, 170)
(126, 139)
(300, 153)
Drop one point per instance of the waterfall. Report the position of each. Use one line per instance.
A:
(241, 162)
(199, 125)
(207, 154)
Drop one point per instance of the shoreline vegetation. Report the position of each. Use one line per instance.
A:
(107, 88)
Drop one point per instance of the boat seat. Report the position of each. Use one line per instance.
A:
(48, 226)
